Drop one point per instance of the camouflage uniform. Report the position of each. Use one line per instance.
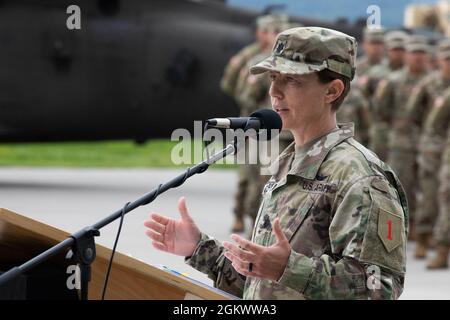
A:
(333, 201)
(430, 148)
(231, 73)
(363, 64)
(429, 152)
(355, 108)
(252, 91)
(390, 105)
(342, 209)
(368, 81)
(437, 128)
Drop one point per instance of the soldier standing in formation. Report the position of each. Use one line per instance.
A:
(437, 127)
(427, 152)
(395, 45)
(373, 47)
(390, 104)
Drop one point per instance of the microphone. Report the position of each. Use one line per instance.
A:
(260, 119)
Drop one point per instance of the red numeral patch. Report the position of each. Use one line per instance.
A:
(389, 222)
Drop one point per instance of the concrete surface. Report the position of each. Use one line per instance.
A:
(70, 199)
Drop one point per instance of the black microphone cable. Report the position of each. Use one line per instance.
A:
(105, 284)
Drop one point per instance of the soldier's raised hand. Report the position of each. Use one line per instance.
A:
(179, 237)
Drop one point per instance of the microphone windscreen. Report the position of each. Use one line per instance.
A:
(270, 120)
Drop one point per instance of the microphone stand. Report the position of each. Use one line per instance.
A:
(82, 242)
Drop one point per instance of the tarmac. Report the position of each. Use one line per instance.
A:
(70, 199)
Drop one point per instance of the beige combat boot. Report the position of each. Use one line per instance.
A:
(441, 259)
(423, 241)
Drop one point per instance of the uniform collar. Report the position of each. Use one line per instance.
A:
(314, 157)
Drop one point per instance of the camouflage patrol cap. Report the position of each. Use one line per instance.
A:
(396, 39)
(417, 42)
(309, 49)
(373, 34)
(272, 22)
(443, 49)
(290, 25)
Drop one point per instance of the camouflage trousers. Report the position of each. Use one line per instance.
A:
(442, 228)
(427, 208)
(404, 164)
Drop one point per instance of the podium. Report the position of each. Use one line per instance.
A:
(22, 238)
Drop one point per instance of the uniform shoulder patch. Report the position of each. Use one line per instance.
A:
(390, 229)
(380, 185)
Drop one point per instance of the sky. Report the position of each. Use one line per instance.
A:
(391, 11)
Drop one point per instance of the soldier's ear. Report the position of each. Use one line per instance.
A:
(334, 91)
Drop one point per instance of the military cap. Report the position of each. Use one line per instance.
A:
(417, 42)
(443, 49)
(272, 22)
(309, 49)
(396, 39)
(291, 24)
(373, 34)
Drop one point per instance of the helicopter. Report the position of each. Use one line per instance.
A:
(133, 70)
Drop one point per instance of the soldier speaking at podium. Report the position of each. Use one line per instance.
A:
(333, 220)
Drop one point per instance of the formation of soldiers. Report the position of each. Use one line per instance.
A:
(399, 103)
(402, 83)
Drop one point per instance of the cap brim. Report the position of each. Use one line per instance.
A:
(286, 66)
(394, 46)
(417, 48)
(375, 40)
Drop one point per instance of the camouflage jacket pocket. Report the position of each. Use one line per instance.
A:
(299, 216)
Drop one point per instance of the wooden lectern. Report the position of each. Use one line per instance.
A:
(22, 238)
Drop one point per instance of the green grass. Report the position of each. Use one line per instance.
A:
(155, 153)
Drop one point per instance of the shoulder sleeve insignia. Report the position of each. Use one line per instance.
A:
(390, 229)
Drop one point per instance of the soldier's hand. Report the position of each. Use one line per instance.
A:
(253, 260)
(179, 237)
